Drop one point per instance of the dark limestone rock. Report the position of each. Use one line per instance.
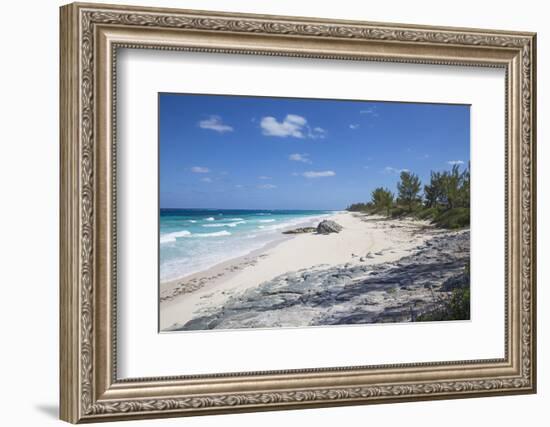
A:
(346, 294)
(301, 230)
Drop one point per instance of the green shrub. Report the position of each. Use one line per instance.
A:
(358, 207)
(426, 213)
(397, 212)
(453, 218)
(457, 308)
(460, 304)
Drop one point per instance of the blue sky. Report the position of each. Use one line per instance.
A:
(232, 152)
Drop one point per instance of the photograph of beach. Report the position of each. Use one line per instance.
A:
(289, 212)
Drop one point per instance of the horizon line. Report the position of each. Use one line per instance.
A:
(252, 209)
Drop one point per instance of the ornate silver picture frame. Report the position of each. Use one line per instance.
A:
(91, 36)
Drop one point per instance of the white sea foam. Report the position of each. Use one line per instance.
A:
(198, 251)
(217, 234)
(230, 224)
(266, 220)
(192, 221)
(171, 237)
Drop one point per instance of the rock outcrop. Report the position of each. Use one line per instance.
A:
(328, 226)
(397, 291)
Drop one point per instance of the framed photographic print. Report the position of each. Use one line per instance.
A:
(256, 225)
(264, 212)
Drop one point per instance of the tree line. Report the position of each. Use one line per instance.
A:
(445, 199)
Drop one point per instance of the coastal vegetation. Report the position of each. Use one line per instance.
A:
(457, 306)
(445, 200)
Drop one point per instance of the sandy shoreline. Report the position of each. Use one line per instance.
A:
(192, 282)
(365, 240)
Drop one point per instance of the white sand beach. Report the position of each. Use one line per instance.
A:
(364, 240)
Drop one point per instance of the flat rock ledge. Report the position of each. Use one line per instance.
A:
(397, 291)
(301, 230)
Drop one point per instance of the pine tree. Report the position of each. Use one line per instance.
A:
(433, 191)
(409, 189)
(382, 198)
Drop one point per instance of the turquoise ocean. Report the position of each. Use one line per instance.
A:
(193, 240)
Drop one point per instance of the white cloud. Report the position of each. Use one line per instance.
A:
(297, 157)
(292, 125)
(266, 186)
(199, 169)
(206, 179)
(318, 174)
(354, 126)
(371, 111)
(264, 177)
(455, 162)
(215, 123)
(389, 169)
(317, 133)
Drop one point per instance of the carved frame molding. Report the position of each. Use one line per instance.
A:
(90, 36)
